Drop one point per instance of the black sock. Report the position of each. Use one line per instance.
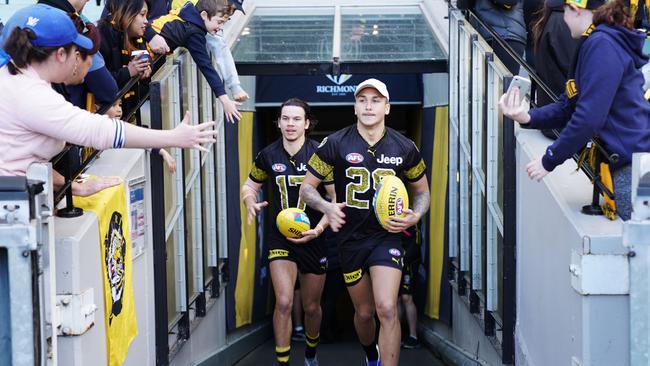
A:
(282, 355)
(310, 345)
(371, 351)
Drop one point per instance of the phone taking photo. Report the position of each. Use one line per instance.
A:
(523, 84)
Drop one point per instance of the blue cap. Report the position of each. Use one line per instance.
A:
(53, 28)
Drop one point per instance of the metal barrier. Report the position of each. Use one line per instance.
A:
(27, 333)
(636, 236)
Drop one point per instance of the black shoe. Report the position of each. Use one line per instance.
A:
(410, 343)
(298, 334)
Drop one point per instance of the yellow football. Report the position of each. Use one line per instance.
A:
(292, 222)
(391, 199)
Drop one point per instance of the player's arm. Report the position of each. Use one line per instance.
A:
(420, 206)
(249, 192)
(331, 210)
(322, 224)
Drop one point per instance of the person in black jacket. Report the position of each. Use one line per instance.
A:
(554, 49)
(187, 28)
(122, 32)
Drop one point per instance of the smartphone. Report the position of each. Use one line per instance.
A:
(523, 84)
(139, 54)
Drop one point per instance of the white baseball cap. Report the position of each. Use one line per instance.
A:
(373, 83)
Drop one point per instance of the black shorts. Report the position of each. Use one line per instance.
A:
(380, 249)
(310, 257)
(406, 285)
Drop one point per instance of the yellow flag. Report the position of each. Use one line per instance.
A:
(114, 236)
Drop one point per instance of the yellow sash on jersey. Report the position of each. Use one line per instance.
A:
(114, 236)
(177, 4)
(159, 23)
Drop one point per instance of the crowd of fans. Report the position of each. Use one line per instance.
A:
(88, 74)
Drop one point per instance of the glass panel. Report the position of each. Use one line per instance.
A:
(208, 217)
(484, 245)
(170, 197)
(278, 35)
(387, 34)
(189, 247)
(499, 260)
(171, 279)
(500, 159)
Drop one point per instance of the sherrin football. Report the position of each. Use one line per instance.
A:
(391, 199)
(292, 222)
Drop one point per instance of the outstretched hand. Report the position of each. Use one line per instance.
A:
(230, 109)
(192, 136)
(92, 185)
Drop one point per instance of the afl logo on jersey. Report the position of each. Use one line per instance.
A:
(278, 168)
(354, 158)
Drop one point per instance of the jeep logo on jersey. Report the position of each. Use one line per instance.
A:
(278, 167)
(354, 158)
(302, 167)
(383, 159)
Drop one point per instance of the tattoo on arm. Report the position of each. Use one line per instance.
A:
(312, 198)
(421, 203)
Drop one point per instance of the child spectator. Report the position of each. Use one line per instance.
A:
(187, 27)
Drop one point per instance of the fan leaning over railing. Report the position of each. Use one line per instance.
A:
(37, 121)
(603, 98)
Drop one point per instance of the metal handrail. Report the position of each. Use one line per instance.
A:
(62, 157)
(584, 166)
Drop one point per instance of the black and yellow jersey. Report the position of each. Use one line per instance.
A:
(286, 173)
(357, 169)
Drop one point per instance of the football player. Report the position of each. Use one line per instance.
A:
(371, 256)
(284, 164)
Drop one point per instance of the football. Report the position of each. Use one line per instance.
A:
(292, 222)
(391, 199)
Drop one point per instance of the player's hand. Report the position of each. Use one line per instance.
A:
(230, 109)
(307, 236)
(399, 224)
(335, 215)
(536, 170)
(513, 107)
(254, 209)
(158, 45)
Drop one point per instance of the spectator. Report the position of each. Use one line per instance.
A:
(122, 33)
(98, 80)
(219, 48)
(603, 97)
(187, 28)
(554, 49)
(157, 8)
(37, 121)
(506, 17)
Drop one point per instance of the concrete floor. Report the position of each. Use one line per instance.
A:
(343, 353)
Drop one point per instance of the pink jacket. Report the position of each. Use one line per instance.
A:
(36, 122)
